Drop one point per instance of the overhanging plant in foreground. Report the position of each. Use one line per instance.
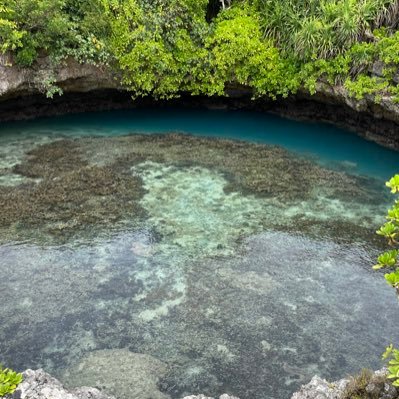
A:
(389, 259)
(393, 364)
(9, 381)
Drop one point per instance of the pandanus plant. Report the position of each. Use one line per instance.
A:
(321, 29)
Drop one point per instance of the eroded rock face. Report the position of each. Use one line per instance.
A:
(21, 89)
(69, 75)
(319, 388)
(39, 385)
(365, 385)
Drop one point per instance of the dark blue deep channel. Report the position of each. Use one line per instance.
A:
(321, 140)
(232, 254)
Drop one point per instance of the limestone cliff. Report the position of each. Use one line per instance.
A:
(69, 75)
(89, 87)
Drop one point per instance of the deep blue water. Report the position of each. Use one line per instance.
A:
(323, 141)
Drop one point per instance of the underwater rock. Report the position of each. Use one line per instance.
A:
(119, 372)
(39, 385)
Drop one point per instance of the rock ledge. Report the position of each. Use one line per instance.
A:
(39, 385)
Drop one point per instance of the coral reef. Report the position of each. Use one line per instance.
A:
(73, 185)
(146, 266)
(68, 195)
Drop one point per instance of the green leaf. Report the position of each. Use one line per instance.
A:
(392, 278)
(387, 352)
(393, 184)
(9, 381)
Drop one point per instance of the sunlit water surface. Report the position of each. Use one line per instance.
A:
(159, 266)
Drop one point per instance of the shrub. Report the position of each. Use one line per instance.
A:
(393, 364)
(9, 381)
(389, 259)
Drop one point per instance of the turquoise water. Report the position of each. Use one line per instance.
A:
(326, 142)
(158, 266)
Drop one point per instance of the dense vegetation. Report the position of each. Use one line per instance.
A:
(163, 47)
(390, 260)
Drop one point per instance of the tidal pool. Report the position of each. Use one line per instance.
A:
(159, 253)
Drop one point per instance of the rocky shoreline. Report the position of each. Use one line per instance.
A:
(37, 384)
(88, 87)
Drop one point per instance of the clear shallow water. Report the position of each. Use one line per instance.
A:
(156, 267)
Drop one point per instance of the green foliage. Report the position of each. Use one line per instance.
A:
(10, 36)
(321, 29)
(157, 48)
(356, 387)
(393, 184)
(238, 54)
(390, 231)
(29, 27)
(9, 381)
(389, 259)
(393, 278)
(366, 85)
(393, 364)
(331, 71)
(164, 47)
